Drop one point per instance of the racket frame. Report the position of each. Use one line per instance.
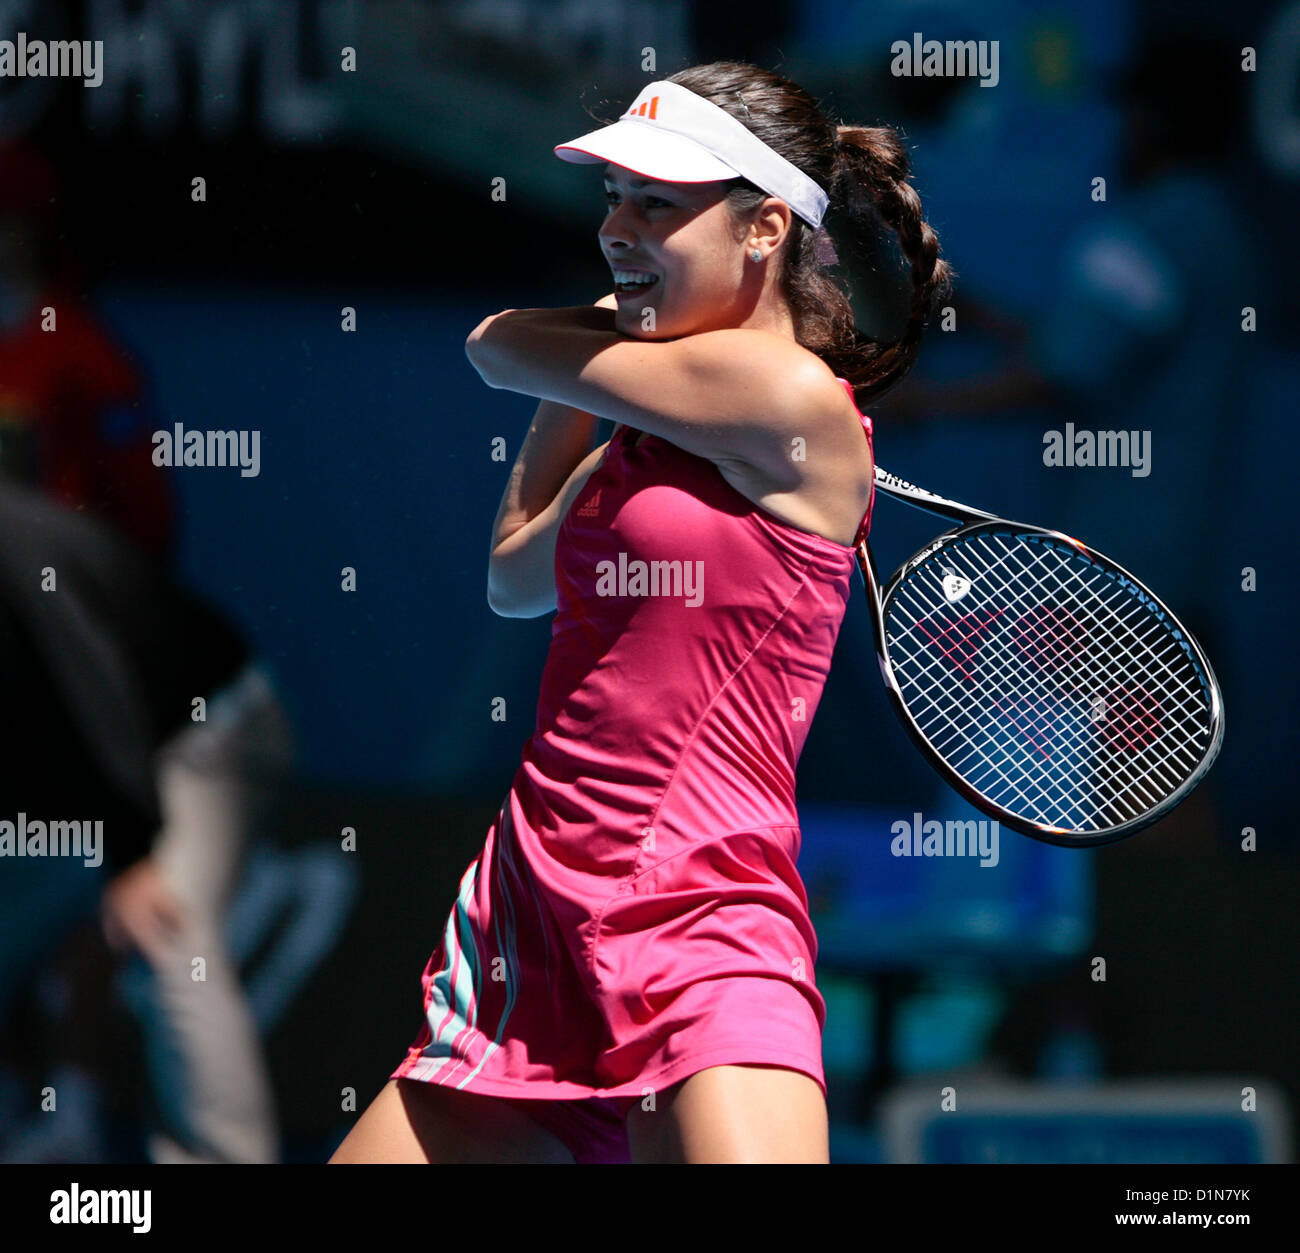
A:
(972, 520)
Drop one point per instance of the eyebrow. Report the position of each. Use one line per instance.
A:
(637, 181)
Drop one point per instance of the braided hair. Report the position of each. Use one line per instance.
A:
(865, 170)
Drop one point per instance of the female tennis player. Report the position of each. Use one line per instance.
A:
(628, 971)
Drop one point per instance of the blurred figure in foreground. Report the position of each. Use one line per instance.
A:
(106, 660)
(105, 665)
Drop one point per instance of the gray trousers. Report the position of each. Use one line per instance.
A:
(206, 1062)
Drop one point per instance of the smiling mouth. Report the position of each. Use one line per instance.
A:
(628, 281)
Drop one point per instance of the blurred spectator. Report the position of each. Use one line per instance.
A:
(75, 415)
(108, 662)
(105, 667)
(1144, 329)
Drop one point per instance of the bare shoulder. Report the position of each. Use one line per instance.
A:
(794, 399)
(814, 469)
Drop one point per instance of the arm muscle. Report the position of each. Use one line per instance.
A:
(521, 569)
(736, 394)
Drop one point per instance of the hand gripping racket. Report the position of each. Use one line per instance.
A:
(1043, 681)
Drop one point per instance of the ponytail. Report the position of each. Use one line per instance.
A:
(865, 171)
(872, 175)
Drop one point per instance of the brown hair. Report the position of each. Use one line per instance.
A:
(864, 170)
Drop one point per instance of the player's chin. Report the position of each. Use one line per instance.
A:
(638, 308)
(647, 321)
(635, 327)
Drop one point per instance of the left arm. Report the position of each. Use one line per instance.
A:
(735, 394)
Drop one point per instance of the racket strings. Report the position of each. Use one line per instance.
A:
(1049, 683)
(1130, 771)
(1036, 585)
(1020, 713)
(1027, 731)
(984, 763)
(1035, 792)
(924, 682)
(1156, 634)
(1178, 692)
(1145, 716)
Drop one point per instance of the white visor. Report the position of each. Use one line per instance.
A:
(672, 135)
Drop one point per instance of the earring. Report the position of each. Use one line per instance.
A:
(755, 255)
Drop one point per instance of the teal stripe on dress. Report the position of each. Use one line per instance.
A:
(505, 915)
(439, 1048)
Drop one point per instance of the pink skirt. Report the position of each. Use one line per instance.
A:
(574, 996)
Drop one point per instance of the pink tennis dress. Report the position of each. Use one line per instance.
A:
(635, 914)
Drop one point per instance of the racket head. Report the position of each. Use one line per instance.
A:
(1045, 682)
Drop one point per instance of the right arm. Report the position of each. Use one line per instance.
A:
(548, 473)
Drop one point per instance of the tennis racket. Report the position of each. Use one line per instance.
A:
(1044, 682)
